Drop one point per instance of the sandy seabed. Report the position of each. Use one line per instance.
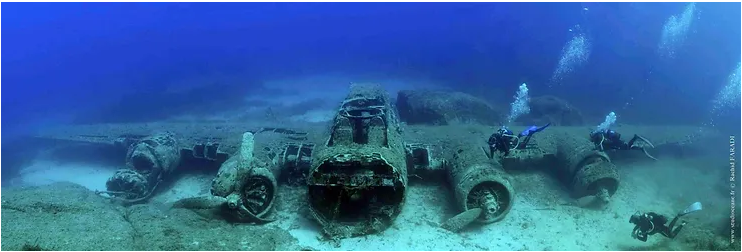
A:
(542, 217)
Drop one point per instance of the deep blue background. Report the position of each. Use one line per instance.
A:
(63, 59)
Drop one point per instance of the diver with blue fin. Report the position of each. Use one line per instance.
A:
(504, 140)
(609, 139)
(652, 223)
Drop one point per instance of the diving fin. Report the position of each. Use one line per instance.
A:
(542, 127)
(645, 141)
(692, 208)
(533, 130)
(647, 154)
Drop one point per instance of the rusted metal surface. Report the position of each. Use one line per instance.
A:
(358, 179)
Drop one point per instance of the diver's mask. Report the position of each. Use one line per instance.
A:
(504, 131)
(635, 218)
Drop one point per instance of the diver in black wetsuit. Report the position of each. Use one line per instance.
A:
(504, 140)
(611, 140)
(652, 223)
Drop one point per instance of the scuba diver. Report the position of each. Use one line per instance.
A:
(652, 223)
(504, 140)
(611, 140)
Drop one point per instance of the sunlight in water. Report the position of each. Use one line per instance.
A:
(675, 31)
(575, 53)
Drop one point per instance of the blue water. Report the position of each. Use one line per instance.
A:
(121, 62)
(668, 64)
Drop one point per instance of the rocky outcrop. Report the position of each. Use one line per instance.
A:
(550, 109)
(444, 108)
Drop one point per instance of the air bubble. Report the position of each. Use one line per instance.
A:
(675, 31)
(574, 54)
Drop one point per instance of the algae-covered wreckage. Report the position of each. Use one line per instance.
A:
(355, 169)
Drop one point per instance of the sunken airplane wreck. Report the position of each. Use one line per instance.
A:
(356, 171)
